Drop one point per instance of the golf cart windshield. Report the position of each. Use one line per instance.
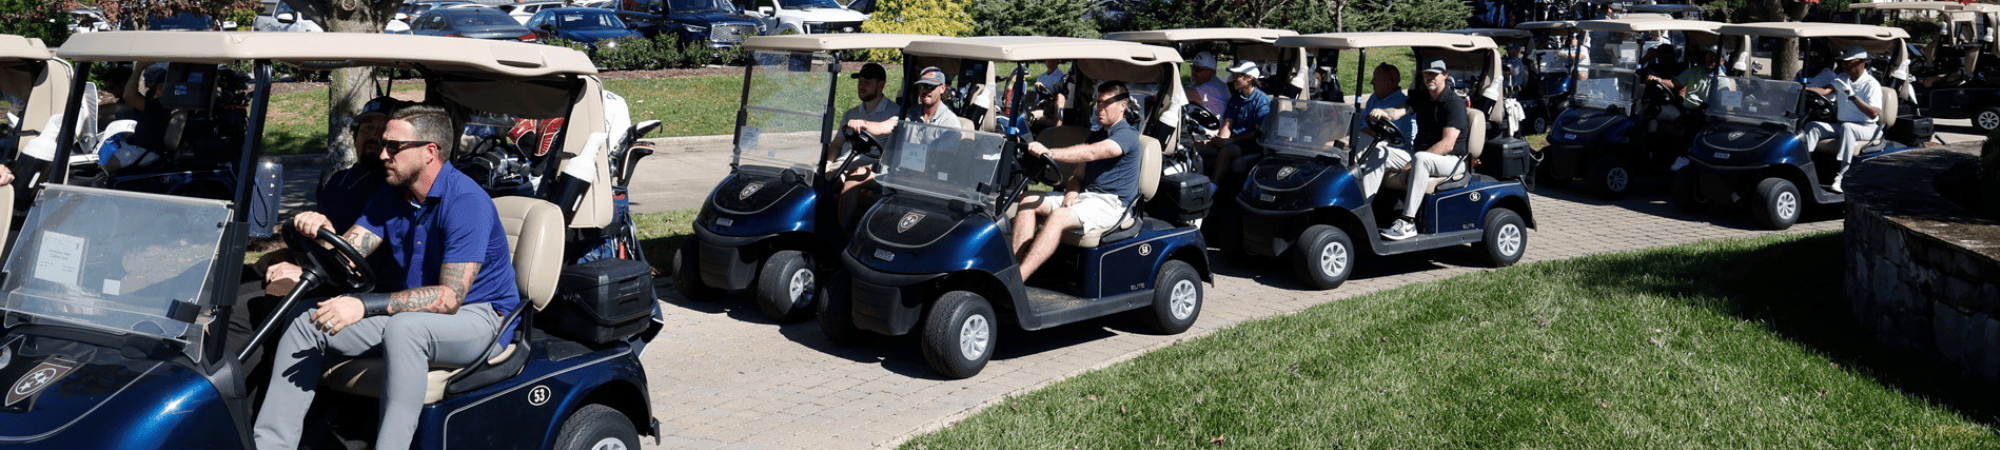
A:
(1754, 99)
(784, 113)
(1305, 127)
(1607, 88)
(119, 261)
(943, 162)
(1614, 49)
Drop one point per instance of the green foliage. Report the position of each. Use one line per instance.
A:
(933, 17)
(1303, 16)
(244, 17)
(41, 19)
(661, 52)
(1033, 18)
(1921, 30)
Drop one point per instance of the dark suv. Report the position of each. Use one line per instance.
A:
(716, 21)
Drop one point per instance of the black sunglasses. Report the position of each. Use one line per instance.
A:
(395, 146)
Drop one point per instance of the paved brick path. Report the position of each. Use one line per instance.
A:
(724, 377)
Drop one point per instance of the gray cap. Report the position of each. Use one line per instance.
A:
(1434, 65)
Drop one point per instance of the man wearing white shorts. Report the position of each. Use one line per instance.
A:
(1099, 191)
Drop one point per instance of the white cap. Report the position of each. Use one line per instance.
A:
(1205, 60)
(1247, 67)
(1854, 52)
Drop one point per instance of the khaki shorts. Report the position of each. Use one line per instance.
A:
(1097, 211)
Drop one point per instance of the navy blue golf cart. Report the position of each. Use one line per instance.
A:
(1308, 202)
(935, 256)
(773, 225)
(1618, 125)
(117, 303)
(1754, 146)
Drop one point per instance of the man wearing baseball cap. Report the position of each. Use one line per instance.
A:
(1440, 147)
(874, 107)
(1859, 99)
(1210, 92)
(929, 87)
(1240, 118)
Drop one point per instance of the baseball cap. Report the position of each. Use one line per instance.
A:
(1434, 65)
(383, 105)
(931, 76)
(156, 73)
(871, 71)
(1247, 68)
(1854, 52)
(1205, 60)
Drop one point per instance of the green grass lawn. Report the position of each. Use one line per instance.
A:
(1721, 344)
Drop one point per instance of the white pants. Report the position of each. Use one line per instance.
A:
(1096, 211)
(1378, 160)
(1851, 134)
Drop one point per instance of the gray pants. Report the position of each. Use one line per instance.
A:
(409, 343)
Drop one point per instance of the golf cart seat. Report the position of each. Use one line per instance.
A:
(1149, 180)
(1475, 144)
(535, 231)
(1888, 119)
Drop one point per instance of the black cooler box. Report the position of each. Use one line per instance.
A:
(1182, 197)
(601, 301)
(1506, 158)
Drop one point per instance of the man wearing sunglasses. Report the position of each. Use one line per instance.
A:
(1099, 191)
(448, 284)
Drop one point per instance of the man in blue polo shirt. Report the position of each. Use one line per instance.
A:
(1097, 195)
(450, 283)
(1240, 119)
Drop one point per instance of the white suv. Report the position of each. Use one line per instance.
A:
(279, 16)
(805, 16)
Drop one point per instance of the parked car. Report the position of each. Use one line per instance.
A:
(276, 15)
(180, 22)
(476, 23)
(400, 24)
(716, 21)
(593, 27)
(86, 20)
(522, 12)
(805, 16)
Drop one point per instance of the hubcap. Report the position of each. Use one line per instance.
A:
(1616, 179)
(972, 337)
(608, 444)
(1510, 240)
(1786, 205)
(1333, 259)
(1989, 120)
(802, 285)
(1184, 299)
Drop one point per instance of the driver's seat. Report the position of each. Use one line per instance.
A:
(1149, 181)
(1475, 145)
(535, 234)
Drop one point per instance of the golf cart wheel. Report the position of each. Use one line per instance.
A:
(687, 274)
(1987, 119)
(958, 334)
(1325, 257)
(1545, 174)
(1538, 126)
(1778, 204)
(1176, 299)
(836, 313)
(787, 287)
(597, 427)
(1610, 177)
(1687, 191)
(1506, 238)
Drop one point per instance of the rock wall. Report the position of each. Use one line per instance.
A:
(1923, 273)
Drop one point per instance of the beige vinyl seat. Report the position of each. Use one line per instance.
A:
(1888, 119)
(1149, 181)
(1475, 144)
(535, 235)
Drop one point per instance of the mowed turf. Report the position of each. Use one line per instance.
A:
(1723, 344)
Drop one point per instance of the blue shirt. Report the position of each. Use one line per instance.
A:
(1120, 175)
(456, 223)
(1394, 100)
(346, 192)
(1245, 113)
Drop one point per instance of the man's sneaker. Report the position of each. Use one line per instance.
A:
(1400, 230)
(1835, 187)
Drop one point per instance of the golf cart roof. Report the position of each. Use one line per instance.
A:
(1036, 48)
(1264, 35)
(1909, 6)
(1548, 25)
(1645, 24)
(1455, 42)
(442, 54)
(16, 48)
(1815, 30)
(1493, 32)
(833, 42)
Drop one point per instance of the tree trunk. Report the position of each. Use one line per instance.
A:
(1339, 10)
(350, 87)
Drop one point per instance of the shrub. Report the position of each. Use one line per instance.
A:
(1063, 18)
(933, 17)
(659, 52)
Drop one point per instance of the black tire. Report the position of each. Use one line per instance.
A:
(836, 313)
(1545, 174)
(1538, 126)
(1176, 299)
(1987, 119)
(1687, 191)
(597, 427)
(788, 286)
(1506, 238)
(1778, 204)
(1324, 257)
(1610, 177)
(687, 274)
(959, 334)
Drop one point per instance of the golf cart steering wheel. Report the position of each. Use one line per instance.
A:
(1200, 116)
(341, 266)
(1667, 95)
(1042, 168)
(1387, 131)
(863, 144)
(1820, 108)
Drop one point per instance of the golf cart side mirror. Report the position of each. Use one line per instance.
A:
(287, 18)
(766, 11)
(645, 127)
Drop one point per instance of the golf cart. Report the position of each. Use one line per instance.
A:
(32, 84)
(1550, 70)
(1955, 74)
(1670, 11)
(773, 225)
(1618, 125)
(1754, 146)
(117, 301)
(1519, 87)
(1305, 201)
(935, 256)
